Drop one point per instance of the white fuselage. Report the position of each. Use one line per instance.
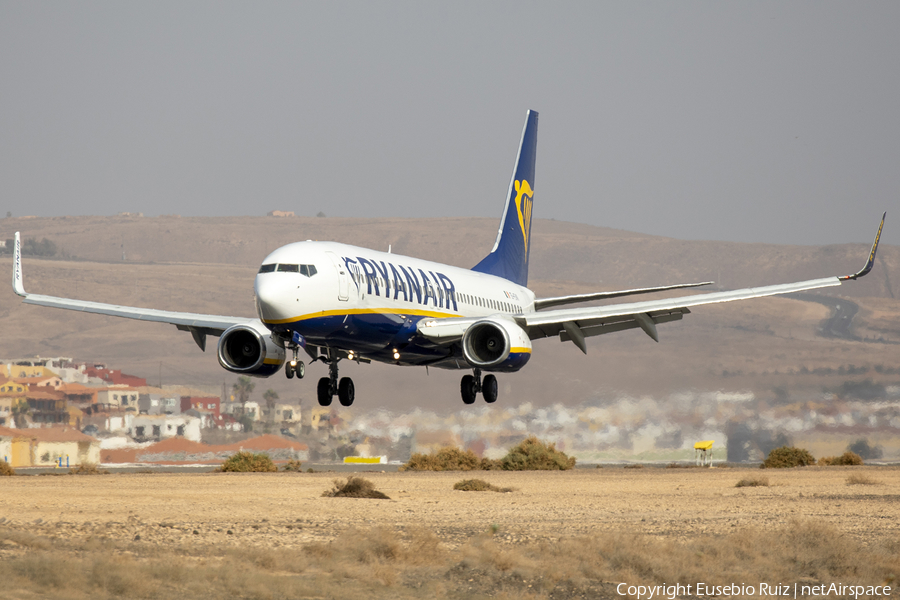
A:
(353, 298)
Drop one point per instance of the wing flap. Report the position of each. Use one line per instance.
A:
(541, 303)
(552, 317)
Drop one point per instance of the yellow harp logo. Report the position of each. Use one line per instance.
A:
(524, 197)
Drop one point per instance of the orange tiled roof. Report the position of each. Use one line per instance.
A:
(48, 434)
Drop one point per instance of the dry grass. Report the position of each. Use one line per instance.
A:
(860, 479)
(445, 459)
(6, 469)
(293, 466)
(382, 563)
(248, 462)
(87, 469)
(530, 455)
(847, 459)
(478, 485)
(534, 455)
(787, 457)
(354, 487)
(753, 482)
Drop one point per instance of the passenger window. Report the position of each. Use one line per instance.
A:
(267, 268)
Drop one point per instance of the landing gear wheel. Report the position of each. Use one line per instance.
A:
(346, 391)
(323, 390)
(300, 370)
(288, 371)
(467, 389)
(489, 389)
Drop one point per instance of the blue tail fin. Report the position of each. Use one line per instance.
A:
(509, 257)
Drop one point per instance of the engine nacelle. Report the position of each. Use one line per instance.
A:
(249, 349)
(496, 345)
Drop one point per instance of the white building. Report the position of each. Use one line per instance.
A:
(160, 427)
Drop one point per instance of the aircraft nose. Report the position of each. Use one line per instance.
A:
(272, 297)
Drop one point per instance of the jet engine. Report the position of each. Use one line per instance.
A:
(496, 345)
(249, 349)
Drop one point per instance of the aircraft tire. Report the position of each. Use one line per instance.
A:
(300, 370)
(346, 391)
(323, 391)
(489, 389)
(467, 389)
(288, 371)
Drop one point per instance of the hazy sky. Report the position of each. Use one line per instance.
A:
(755, 121)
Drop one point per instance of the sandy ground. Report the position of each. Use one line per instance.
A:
(287, 509)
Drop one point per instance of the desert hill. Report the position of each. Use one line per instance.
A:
(208, 265)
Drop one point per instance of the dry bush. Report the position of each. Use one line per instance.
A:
(25, 539)
(786, 457)
(534, 455)
(753, 482)
(491, 464)
(354, 487)
(847, 459)
(635, 466)
(860, 479)
(478, 485)
(248, 462)
(293, 466)
(450, 458)
(87, 469)
(6, 469)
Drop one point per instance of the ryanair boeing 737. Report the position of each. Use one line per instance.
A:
(339, 302)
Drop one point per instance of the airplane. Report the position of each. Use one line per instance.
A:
(339, 302)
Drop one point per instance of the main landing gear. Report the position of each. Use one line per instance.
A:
(471, 385)
(329, 386)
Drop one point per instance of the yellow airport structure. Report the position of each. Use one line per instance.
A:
(703, 453)
(365, 460)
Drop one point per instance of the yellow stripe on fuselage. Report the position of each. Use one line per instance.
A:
(360, 311)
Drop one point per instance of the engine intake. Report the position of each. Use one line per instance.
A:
(496, 345)
(249, 349)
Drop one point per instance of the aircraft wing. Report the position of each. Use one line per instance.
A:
(575, 324)
(578, 323)
(199, 325)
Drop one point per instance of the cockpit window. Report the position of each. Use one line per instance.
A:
(308, 270)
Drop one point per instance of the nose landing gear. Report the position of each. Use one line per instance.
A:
(471, 385)
(295, 366)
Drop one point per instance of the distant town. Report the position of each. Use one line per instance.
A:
(62, 412)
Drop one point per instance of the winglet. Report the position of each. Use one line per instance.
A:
(869, 263)
(18, 286)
